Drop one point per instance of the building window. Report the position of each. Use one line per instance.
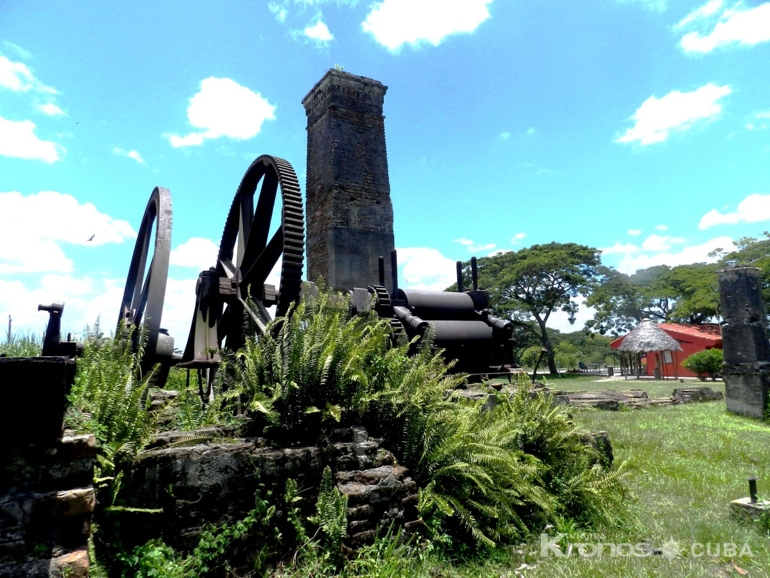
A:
(667, 357)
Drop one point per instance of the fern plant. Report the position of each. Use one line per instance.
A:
(331, 515)
(311, 365)
(107, 396)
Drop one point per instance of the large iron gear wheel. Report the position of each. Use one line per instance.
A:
(143, 296)
(247, 256)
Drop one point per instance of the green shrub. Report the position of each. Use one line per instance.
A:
(706, 363)
(499, 470)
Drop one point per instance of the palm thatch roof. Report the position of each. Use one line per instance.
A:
(647, 336)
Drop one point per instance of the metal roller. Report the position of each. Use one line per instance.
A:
(437, 305)
(461, 331)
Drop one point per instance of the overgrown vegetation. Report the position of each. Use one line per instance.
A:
(21, 345)
(491, 472)
(107, 398)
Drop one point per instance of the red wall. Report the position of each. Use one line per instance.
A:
(690, 341)
(688, 348)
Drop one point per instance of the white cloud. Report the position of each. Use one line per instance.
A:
(198, 253)
(87, 299)
(425, 268)
(33, 227)
(517, 238)
(475, 247)
(278, 11)
(130, 154)
(394, 23)
(620, 249)
(661, 227)
(505, 135)
(634, 232)
(761, 117)
(753, 209)
(660, 243)
(222, 107)
(736, 25)
(50, 109)
(708, 9)
(18, 140)
(677, 111)
(319, 32)
(632, 262)
(18, 77)
(531, 131)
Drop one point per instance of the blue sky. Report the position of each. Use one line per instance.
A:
(640, 127)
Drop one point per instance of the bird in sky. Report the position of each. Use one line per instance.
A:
(91, 238)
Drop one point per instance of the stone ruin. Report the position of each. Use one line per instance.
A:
(746, 369)
(46, 490)
(47, 498)
(349, 211)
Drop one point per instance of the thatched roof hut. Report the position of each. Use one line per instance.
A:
(647, 336)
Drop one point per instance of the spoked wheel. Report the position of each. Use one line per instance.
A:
(232, 297)
(143, 295)
(247, 256)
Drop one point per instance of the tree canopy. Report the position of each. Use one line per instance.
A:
(530, 284)
(682, 294)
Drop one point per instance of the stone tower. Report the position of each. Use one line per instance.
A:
(349, 212)
(746, 367)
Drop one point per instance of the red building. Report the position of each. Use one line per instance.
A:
(691, 338)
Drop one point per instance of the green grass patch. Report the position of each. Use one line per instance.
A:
(684, 465)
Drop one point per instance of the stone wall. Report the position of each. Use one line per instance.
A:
(746, 369)
(46, 502)
(215, 482)
(349, 211)
(46, 488)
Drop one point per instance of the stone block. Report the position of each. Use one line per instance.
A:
(40, 386)
(695, 394)
(745, 343)
(740, 295)
(72, 565)
(746, 393)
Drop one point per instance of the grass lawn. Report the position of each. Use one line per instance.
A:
(684, 465)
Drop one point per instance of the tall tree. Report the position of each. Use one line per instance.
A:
(683, 294)
(530, 284)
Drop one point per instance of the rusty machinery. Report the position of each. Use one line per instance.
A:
(459, 322)
(247, 255)
(232, 297)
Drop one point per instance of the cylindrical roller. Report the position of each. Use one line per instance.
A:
(468, 332)
(412, 323)
(438, 304)
(500, 326)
